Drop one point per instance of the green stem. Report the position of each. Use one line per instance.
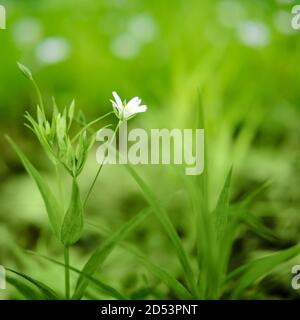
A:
(67, 272)
(101, 166)
(89, 125)
(38, 91)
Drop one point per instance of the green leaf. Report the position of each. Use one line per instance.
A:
(100, 255)
(222, 208)
(27, 291)
(224, 237)
(257, 269)
(256, 224)
(48, 293)
(52, 206)
(165, 221)
(26, 72)
(164, 276)
(157, 271)
(72, 226)
(250, 197)
(71, 110)
(106, 289)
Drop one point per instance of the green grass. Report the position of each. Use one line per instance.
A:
(206, 275)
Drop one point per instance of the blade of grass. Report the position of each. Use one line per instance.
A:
(222, 208)
(257, 269)
(224, 235)
(248, 199)
(99, 256)
(106, 289)
(28, 292)
(255, 224)
(48, 293)
(156, 270)
(200, 202)
(52, 206)
(164, 219)
(72, 225)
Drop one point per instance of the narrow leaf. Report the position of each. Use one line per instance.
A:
(106, 289)
(221, 211)
(171, 282)
(257, 269)
(72, 226)
(44, 289)
(100, 255)
(52, 206)
(164, 219)
(27, 291)
(26, 72)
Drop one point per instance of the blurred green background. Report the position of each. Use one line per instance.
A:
(242, 56)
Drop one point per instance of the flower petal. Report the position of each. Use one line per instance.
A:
(133, 102)
(142, 108)
(118, 100)
(134, 110)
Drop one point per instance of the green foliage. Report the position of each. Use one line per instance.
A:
(51, 203)
(26, 290)
(47, 292)
(247, 123)
(257, 269)
(100, 255)
(26, 72)
(72, 225)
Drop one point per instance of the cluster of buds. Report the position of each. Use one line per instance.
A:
(55, 139)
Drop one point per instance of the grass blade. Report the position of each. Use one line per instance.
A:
(255, 224)
(52, 206)
(222, 208)
(72, 226)
(156, 270)
(100, 255)
(106, 289)
(250, 197)
(164, 219)
(257, 269)
(47, 292)
(28, 292)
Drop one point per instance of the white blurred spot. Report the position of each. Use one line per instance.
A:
(230, 12)
(143, 27)
(52, 50)
(282, 22)
(27, 31)
(254, 33)
(125, 46)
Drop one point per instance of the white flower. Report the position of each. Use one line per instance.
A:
(125, 111)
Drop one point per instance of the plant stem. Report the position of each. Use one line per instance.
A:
(38, 91)
(67, 272)
(90, 124)
(101, 165)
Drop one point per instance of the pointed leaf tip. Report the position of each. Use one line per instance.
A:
(26, 72)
